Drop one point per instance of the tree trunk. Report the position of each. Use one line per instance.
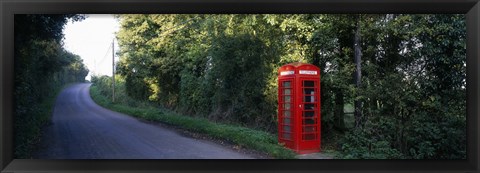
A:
(358, 72)
(339, 120)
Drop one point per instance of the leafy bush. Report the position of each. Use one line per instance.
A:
(365, 145)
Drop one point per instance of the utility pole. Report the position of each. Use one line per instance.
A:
(113, 72)
(94, 66)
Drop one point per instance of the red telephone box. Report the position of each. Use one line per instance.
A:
(299, 107)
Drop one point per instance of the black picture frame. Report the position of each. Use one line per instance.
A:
(8, 8)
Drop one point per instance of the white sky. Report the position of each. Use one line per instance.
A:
(91, 39)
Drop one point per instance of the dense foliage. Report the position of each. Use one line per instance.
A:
(407, 86)
(42, 67)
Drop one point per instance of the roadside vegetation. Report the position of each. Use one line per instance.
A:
(42, 68)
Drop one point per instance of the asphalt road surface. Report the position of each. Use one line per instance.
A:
(81, 129)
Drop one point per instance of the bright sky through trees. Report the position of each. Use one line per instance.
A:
(91, 39)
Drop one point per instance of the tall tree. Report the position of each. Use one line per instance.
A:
(358, 68)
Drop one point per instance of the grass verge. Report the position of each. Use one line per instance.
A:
(245, 137)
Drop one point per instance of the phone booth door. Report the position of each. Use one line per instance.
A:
(309, 109)
(286, 111)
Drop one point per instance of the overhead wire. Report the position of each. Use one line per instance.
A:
(103, 58)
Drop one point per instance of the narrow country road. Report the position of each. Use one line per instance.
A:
(81, 129)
